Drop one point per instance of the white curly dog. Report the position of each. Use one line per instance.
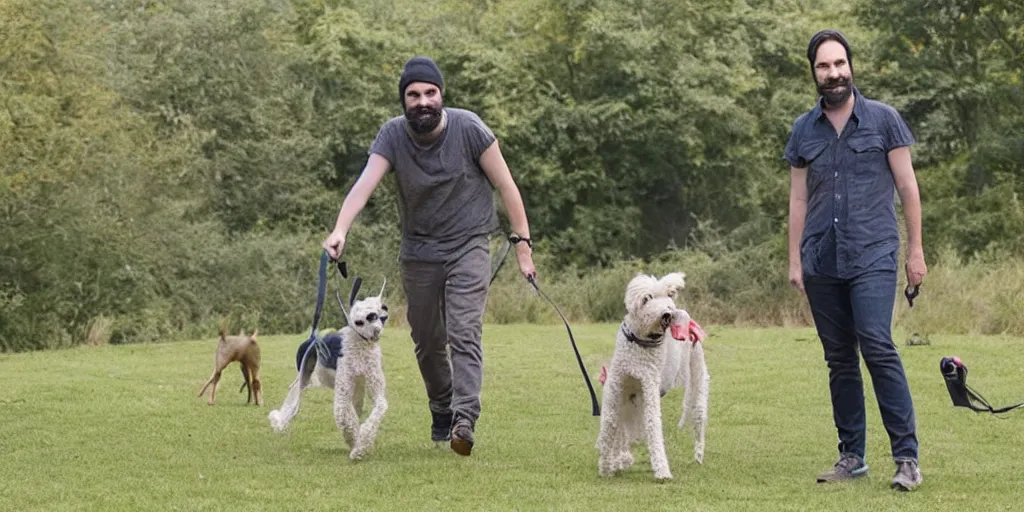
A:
(349, 361)
(657, 348)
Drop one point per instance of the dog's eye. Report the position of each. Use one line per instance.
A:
(359, 323)
(372, 317)
(385, 308)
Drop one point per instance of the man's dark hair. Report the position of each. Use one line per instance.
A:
(828, 35)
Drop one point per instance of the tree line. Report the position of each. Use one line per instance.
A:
(170, 163)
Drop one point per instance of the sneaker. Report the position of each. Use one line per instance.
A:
(462, 437)
(441, 428)
(847, 468)
(907, 476)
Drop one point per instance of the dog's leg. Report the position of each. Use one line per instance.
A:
(245, 383)
(213, 381)
(255, 386)
(280, 418)
(622, 455)
(609, 434)
(368, 430)
(344, 412)
(653, 429)
(700, 382)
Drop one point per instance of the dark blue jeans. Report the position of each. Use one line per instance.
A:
(856, 314)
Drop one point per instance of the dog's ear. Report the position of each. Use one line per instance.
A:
(255, 332)
(672, 283)
(355, 290)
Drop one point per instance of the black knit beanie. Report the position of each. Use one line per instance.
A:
(828, 35)
(419, 69)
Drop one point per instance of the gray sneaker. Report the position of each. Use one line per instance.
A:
(462, 437)
(907, 477)
(847, 468)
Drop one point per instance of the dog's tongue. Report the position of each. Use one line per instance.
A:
(680, 332)
(691, 331)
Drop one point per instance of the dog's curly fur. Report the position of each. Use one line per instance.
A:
(359, 372)
(646, 363)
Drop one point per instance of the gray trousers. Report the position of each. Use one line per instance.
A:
(446, 308)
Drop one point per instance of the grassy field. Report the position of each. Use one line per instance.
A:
(121, 428)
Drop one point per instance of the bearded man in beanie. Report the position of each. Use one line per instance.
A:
(848, 153)
(447, 163)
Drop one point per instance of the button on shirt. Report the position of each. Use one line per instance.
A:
(851, 225)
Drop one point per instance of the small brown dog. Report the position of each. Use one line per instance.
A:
(246, 351)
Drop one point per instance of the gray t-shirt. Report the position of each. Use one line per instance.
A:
(446, 202)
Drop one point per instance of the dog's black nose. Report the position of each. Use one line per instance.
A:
(667, 317)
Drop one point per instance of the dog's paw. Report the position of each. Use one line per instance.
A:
(356, 455)
(699, 457)
(662, 478)
(606, 467)
(277, 422)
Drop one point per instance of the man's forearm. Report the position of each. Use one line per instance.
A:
(911, 199)
(354, 202)
(516, 211)
(797, 217)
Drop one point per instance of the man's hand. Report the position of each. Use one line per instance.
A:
(796, 276)
(916, 268)
(334, 244)
(524, 255)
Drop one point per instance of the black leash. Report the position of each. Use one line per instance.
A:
(593, 396)
(501, 260)
(955, 373)
(533, 281)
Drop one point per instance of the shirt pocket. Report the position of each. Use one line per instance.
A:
(869, 152)
(810, 153)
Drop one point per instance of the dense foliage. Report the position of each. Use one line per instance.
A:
(168, 163)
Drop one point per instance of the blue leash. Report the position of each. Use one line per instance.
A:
(321, 290)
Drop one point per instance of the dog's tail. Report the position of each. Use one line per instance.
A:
(222, 329)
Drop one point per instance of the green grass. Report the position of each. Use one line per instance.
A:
(121, 428)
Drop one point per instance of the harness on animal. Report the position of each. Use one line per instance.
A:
(595, 405)
(316, 342)
(955, 374)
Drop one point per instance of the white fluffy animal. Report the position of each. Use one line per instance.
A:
(647, 362)
(350, 361)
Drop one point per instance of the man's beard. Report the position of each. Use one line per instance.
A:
(834, 98)
(423, 120)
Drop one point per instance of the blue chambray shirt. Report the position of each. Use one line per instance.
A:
(851, 223)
